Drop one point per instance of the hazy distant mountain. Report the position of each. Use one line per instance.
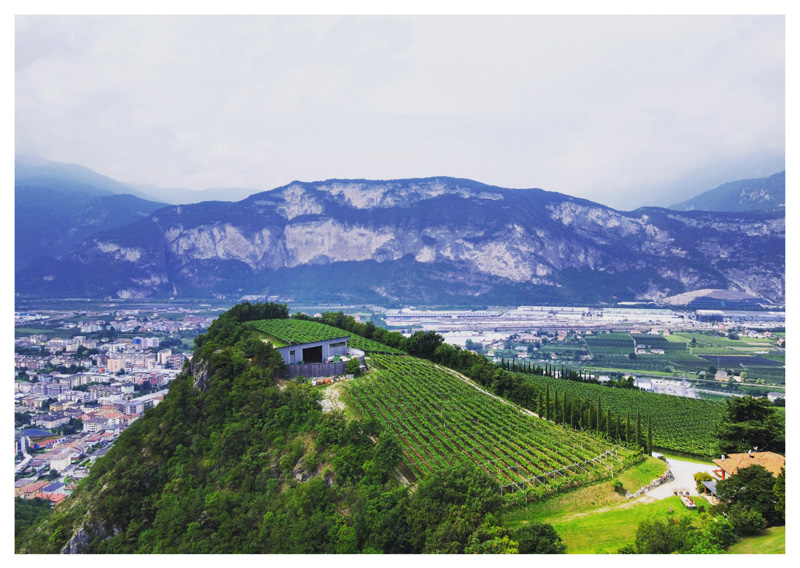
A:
(31, 171)
(178, 195)
(435, 240)
(57, 205)
(743, 195)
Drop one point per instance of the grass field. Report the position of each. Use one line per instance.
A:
(585, 499)
(772, 541)
(607, 531)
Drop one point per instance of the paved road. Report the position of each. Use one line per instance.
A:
(684, 478)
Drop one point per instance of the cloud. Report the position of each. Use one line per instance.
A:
(614, 109)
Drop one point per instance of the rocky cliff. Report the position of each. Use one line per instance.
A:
(438, 240)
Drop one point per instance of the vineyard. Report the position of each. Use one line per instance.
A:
(294, 331)
(679, 424)
(443, 420)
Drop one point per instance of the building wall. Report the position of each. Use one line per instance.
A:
(292, 354)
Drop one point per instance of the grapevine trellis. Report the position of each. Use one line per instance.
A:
(442, 421)
(680, 424)
(294, 331)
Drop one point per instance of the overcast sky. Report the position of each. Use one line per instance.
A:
(625, 111)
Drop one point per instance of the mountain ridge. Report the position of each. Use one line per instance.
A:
(443, 239)
(741, 195)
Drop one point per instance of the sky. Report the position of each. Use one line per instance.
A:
(622, 110)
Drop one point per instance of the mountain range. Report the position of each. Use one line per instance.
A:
(434, 240)
(56, 206)
(739, 196)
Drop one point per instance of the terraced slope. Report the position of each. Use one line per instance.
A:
(442, 420)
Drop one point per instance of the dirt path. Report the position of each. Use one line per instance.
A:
(332, 400)
(683, 471)
(645, 499)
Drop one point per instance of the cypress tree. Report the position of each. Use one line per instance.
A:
(649, 436)
(564, 416)
(555, 406)
(619, 428)
(599, 415)
(628, 428)
(638, 429)
(539, 405)
(608, 423)
(547, 403)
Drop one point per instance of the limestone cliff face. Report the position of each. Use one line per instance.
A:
(440, 235)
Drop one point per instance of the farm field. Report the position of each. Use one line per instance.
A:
(292, 332)
(680, 424)
(442, 420)
(613, 352)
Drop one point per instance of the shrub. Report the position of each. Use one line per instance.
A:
(538, 538)
(746, 522)
(699, 477)
(352, 367)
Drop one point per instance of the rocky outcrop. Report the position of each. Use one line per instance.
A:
(666, 478)
(78, 544)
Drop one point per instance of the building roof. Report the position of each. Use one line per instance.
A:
(711, 486)
(54, 497)
(34, 487)
(37, 433)
(770, 461)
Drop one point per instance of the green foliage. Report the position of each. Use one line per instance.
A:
(491, 538)
(748, 423)
(780, 494)
(448, 507)
(678, 424)
(352, 367)
(27, 512)
(752, 487)
(21, 418)
(424, 344)
(746, 522)
(661, 536)
(538, 538)
(703, 534)
(710, 535)
(699, 477)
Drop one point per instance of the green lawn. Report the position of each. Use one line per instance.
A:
(607, 531)
(597, 519)
(772, 541)
(589, 498)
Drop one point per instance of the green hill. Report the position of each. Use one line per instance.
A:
(231, 462)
